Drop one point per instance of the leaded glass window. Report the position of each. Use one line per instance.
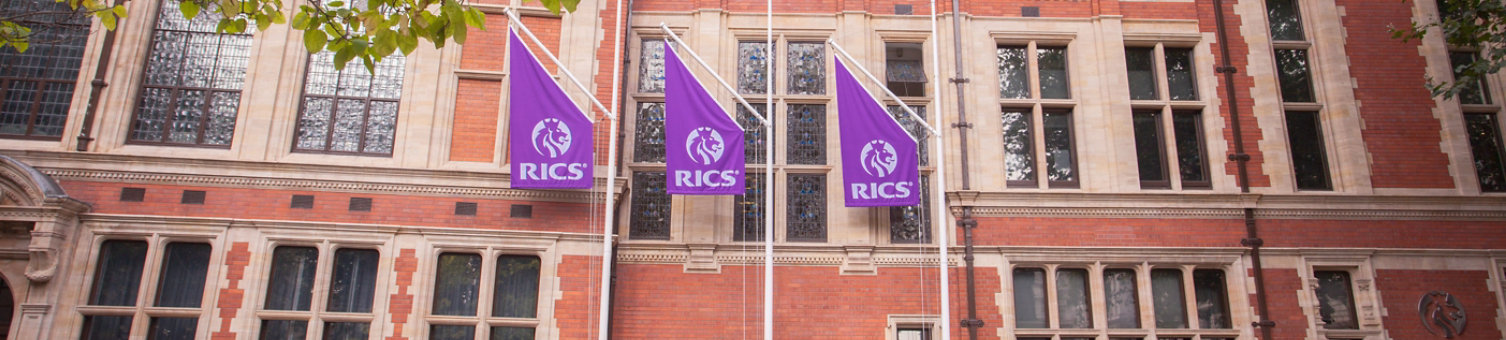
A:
(748, 222)
(1212, 298)
(191, 89)
(1019, 147)
(1061, 163)
(806, 134)
(1309, 160)
(1285, 20)
(1485, 145)
(650, 208)
(1014, 72)
(1148, 149)
(1336, 300)
(806, 217)
(457, 281)
(1052, 67)
(651, 66)
(1169, 298)
(1181, 81)
(754, 132)
(911, 224)
(515, 291)
(904, 70)
(1030, 298)
(648, 135)
(1188, 128)
(1073, 302)
(1295, 76)
(806, 66)
(916, 129)
(349, 111)
(36, 87)
(1141, 63)
(1472, 92)
(351, 277)
(753, 67)
(1122, 298)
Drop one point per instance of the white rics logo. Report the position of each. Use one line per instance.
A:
(551, 138)
(704, 145)
(878, 158)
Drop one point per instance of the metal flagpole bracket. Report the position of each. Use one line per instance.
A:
(697, 57)
(516, 22)
(854, 62)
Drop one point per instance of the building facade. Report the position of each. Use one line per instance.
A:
(1114, 169)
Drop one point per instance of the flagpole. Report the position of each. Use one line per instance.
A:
(768, 178)
(854, 62)
(515, 21)
(718, 78)
(938, 200)
(603, 323)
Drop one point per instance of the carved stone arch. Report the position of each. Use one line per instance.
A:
(32, 204)
(23, 185)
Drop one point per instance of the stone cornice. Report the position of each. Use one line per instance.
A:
(209, 222)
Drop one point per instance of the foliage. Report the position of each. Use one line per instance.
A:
(17, 28)
(1469, 24)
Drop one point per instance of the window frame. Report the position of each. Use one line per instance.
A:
(1491, 107)
(1314, 82)
(145, 310)
(318, 315)
(1037, 106)
(1361, 287)
(141, 88)
(335, 98)
(486, 290)
(1168, 109)
(82, 29)
(1096, 285)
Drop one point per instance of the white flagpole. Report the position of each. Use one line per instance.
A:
(875, 80)
(718, 78)
(513, 16)
(938, 196)
(603, 324)
(768, 178)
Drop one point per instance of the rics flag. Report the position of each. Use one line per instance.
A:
(880, 165)
(703, 146)
(549, 139)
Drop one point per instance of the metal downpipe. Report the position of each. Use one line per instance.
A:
(972, 323)
(102, 66)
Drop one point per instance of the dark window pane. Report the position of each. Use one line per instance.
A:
(1336, 300)
(284, 329)
(1014, 72)
(1212, 299)
(1473, 91)
(754, 135)
(807, 68)
(913, 334)
(457, 280)
(651, 66)
(352, 284)
(748, 223)
(911, 224)
(1180, 79)
(184, 268)
(1072, 300)
(648, 137)
(173, 328)
(512, 333)
(752, 67)
(1485, 145)
(806, 135)
(1286, 20)
(36, 86)
(346, 331)
(1122, 298)
(1148, 149)
(1053, 72)
(1169, 297)
(118, 275)
(904, 71)
(516, 294)
(1030, 298)
(650, 209)
(1061, 165)
(1141, 62)
(291, 286)
(97, 327)
(448, 332)
(1019, 147)
(807, 208)
(1296, 78)
(1188, 126)
(1309, 162)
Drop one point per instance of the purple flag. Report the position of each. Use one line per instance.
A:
(879, 159)
(703, 146)
(549, 139)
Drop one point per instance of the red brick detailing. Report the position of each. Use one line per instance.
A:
(271, 204)
(1159, 10)
(232, 296)
(1049, 8)
(1400, 131)
(1382, 234)
(792, 6)
(400, 305)
(1104, 232)
(1402, 289)
(1282, 287)
(603, 78)
(662, 302)
(486, 50)
(474, 135)
(1249, 128)
(577, 310)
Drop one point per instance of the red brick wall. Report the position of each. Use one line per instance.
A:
(270, 204)
(486, 50)
(1239, 52)
(1105, 232)
(1159, 10)
(474, 135)
(232, 296)
(1282, 287)
(1382, 234)
(400, 304)
(577, 310)
(662, 302)
(1049, 8)
(1402, 289)
(605, 60)
(1400, 131)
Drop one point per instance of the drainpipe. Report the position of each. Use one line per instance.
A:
(972, 323)
(1252, 232)
(98, 85)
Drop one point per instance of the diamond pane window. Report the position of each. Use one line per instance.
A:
(752, 67)
(1141, 62)
(806, 135)
(807, 68)
(650, 209)
(350, 111)
(910, 224)
(748, 222)
(36, 87)
(651, 66)
(1296, 78)
(753, 133)
(648, 137)
(916, 129)
(1014, 72)
(806, 208)
(1485, 144)
(1285, 19)
(192, 87)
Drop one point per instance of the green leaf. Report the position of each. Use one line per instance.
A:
(569, 5)
(120, 11)
(475, 18)
(262, 22)
(301, 21)
(314, 40)
(552, 5)
(459, 32)
(343, 56)
(278, 18)
(230, 8)
(385, 43)
(407, 42)
(370, 64)
(108, 21)
(334, 4)
(190, 9)
(20, 46)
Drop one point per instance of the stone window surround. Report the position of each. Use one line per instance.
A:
(1095, 265)
(423, 281)
(151, 273)
(929, 322)
(1168, 107)
(1450, 112)
(1367, 304)
(317, 314)
(1038, 106)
